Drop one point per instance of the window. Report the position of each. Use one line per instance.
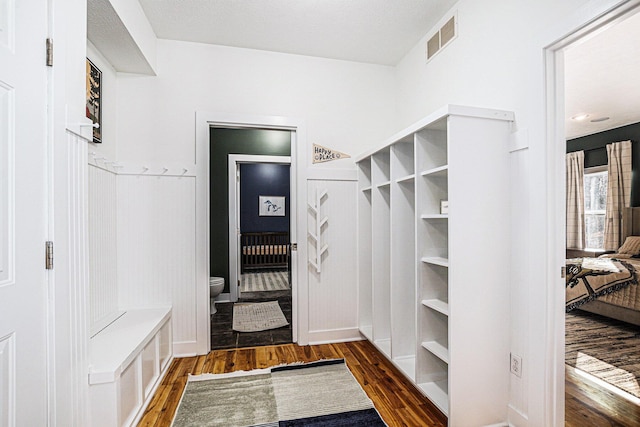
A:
(595, 202)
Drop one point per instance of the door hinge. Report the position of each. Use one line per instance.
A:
(48, 262)
(294, 246)
(49, 52)
(563, 271)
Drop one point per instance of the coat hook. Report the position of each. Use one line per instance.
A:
(93, 125)
(165, 170)
(144, 169)
(184, 170)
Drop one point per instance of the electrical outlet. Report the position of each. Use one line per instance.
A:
(516, 365)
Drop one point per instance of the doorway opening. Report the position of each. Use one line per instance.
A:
(256, 306)
(585, 393)
(259, 232)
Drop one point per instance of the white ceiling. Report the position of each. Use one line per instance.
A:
(602, 74)
(602, 79)
(372, 31)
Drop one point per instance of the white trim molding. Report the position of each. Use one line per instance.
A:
(234, 160)
(595, 16)
(204, 121)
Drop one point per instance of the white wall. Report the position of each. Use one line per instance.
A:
(333, 296)
(347, 106)
(498, 61)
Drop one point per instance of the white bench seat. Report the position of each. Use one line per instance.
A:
(127, 360)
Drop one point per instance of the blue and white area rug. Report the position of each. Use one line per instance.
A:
(319, 394)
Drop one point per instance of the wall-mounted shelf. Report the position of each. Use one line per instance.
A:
(320, 248)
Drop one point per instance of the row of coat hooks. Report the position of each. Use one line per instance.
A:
(100, 161)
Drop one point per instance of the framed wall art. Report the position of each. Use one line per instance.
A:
(271, 206)
(94, 99)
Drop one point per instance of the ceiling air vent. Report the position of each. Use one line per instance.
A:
(445, 34)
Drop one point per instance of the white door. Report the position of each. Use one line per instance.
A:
(23, 213)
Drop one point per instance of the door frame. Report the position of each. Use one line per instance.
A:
(299, 163)
(234, 162)
(591, 20)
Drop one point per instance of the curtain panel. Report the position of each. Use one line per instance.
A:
(575, 200)
(618, 192)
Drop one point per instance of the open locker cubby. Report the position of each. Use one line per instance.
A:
(431, 251)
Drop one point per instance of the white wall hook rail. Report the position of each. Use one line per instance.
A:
(96, 159)
(317, 236)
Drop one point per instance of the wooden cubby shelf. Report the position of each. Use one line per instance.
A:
(419, 269)
(407, 365)
(438, 393)
(440, 171)
(434, 216)
(406, 179)
(436, 260)
(440, 306)
(437, 349)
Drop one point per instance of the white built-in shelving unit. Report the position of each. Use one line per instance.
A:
(433, 289)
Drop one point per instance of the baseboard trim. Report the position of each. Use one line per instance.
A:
(517, 418)
(334, 335)
(185, 349)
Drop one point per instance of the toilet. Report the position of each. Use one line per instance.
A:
(216, 285)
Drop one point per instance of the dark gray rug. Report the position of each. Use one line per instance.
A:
(315, 394)
(605, 348)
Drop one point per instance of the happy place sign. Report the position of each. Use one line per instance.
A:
(323, 154)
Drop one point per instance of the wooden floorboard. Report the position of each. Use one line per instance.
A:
(397, 401)
(587, 404)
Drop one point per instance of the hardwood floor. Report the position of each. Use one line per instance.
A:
(587, 404)
(397, 401)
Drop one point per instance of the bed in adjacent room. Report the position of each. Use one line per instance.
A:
(608, 285)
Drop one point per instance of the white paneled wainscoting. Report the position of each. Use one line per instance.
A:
(333, 292)
(102, 247)
(141, 230)
(156, 249)
(71, 337)
(142, 238)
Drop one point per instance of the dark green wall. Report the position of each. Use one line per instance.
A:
(595, 152)
(223, 142)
